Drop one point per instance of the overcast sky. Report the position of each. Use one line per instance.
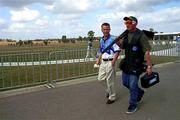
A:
(32, 19)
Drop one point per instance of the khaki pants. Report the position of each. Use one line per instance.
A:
(107, 77)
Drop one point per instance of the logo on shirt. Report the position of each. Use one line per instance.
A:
(134, 48)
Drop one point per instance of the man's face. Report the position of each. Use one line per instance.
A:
(130, 25)
(105, 30)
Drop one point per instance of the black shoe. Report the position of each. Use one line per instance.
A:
(139, 99)
(107, 95)
(131, 109)
(110, 101)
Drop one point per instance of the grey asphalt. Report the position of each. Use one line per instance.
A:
(86, 101)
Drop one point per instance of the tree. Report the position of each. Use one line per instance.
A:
(73, 40)
(20, 42)
(59, 40)
(85, 38)
(64, 39)
(45, 42)
(151, 29)
(89, 47)
(90, 35)
(30, 42)
(80, 38)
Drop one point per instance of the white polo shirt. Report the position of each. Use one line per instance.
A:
(104, 44)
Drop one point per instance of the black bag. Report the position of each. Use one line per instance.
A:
(149, 80)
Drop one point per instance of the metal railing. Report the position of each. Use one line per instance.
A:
(18, 70)
(27, 69)
(70, 64)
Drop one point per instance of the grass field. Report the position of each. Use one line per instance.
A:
(63, 51)
(29, 75)
(43, 53)
(63, 46)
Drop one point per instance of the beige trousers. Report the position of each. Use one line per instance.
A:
(107, 77)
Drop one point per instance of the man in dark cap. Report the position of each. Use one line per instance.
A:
(137, 51)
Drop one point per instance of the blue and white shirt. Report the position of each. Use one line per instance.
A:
(104, 44)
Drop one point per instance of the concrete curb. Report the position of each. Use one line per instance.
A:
(26, 90)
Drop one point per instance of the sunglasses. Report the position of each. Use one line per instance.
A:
(129, 22)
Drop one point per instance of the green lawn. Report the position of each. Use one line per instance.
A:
(45, 53)
(29, 75)
(34, 49)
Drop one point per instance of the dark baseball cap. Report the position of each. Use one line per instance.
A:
(132, 18)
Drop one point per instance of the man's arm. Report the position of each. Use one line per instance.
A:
(98, 61)
(148, 62)
(146, 48)
(115, 57)
(117, 51)
(148, 58)
(99, 55)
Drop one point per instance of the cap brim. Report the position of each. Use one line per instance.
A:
(126, 18)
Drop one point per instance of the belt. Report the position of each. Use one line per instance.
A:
(110, 59)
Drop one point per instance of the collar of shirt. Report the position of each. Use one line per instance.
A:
(107, 37)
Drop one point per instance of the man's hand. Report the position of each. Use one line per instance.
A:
(98, 62)
(96, 66)
(149, 70)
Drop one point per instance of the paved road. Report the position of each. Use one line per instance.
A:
(86, 101)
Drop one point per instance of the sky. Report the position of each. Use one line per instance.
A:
(42, 19)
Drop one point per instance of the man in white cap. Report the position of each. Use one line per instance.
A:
(137, 51)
